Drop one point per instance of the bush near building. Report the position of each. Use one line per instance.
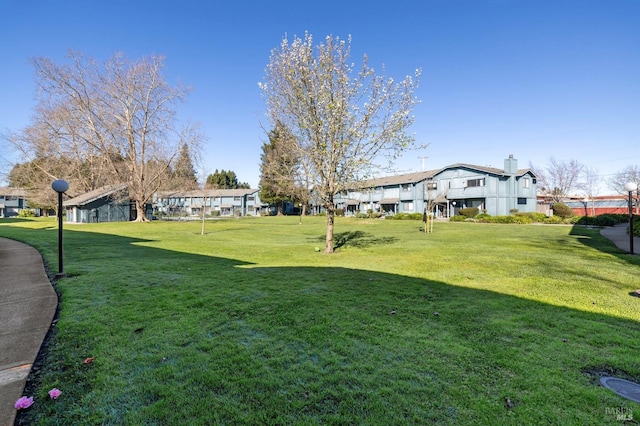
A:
(562, 210)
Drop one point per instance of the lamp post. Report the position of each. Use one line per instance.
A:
(300, 207)
(585, 201)
(60, 186)
(630, 187)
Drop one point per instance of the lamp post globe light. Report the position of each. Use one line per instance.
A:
(60, 186)
(585, 201)
(630, 187)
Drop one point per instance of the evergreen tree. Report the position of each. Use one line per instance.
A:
(277, 167)
(184, 173)
(224, 180)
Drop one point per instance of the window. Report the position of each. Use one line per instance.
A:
(407, 206)
(522, 201)
(406, 187)
(475, 182)
(526, 183)
(431, 186)
(251, 198)
(237, 198)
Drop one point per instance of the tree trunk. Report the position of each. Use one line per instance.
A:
(141, 215)
(328, 247)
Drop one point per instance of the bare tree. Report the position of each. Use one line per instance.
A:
(590, 184)
(559, 179)
(118, 120)
(629, 174)
(344, 122)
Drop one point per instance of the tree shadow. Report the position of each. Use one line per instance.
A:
(310, 344)
(4, 220)
(357, 239)
(591, 237)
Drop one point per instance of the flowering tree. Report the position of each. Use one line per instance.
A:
(344, 122)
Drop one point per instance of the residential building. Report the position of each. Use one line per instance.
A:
(216, 202)
(446, 190)
(107, 204)
(12, 200)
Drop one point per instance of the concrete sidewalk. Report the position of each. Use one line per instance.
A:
(618, 235)
(27, 305)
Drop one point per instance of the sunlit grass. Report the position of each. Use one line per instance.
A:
(249, 324)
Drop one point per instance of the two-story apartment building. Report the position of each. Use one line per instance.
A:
(219, 202)
(444, 191)
(12, 200)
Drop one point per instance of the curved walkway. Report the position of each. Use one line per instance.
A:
(619, 236)
(27, 305)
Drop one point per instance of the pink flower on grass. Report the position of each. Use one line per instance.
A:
(23, 402)
(55, 393)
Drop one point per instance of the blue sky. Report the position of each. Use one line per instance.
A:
(532, 78)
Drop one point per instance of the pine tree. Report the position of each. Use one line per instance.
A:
(277, 167)
(184, 173)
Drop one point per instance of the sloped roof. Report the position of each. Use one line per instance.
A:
(485, 169)
(96, 194)
(207, 193)
(13, 192)
(420, 176)
(399, 179)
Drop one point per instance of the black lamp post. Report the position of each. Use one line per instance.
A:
(60, 186)
(630, 187)
(585, 201)
(300, 207)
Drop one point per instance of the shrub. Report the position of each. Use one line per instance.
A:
(507, 219)
(406, 216)
(339, 212)
(571, 220)
(457, 218)
(513, 211)
(535, 216)
(469, 211)
(562, 210)
(554, 220)
(26, 213)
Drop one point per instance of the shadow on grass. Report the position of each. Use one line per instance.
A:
(7, 220)
(357, 239)
(309, 345)
(591, 237)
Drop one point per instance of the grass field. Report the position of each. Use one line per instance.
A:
(248, 324)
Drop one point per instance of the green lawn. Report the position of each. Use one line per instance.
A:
(248, 324)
